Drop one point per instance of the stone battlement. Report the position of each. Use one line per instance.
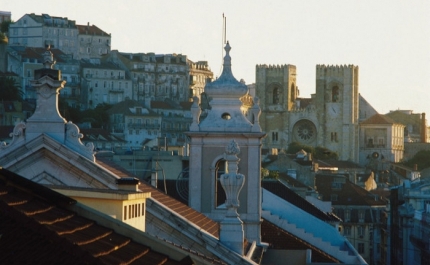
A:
(334, 70)
(277, 66)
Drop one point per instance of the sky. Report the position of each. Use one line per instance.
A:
(388, 39)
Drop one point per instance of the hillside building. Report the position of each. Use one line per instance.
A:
(40, 31)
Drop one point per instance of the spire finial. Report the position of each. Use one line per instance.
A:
(227, 58)
(48, 58)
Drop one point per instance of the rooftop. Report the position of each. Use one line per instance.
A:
(35, 220)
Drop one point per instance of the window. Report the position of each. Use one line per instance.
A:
(427, 206)
(347, 215)
(370, 142)
(335, 94)
(219, 191)
(360, 231)
(361, 216)
(276, 95)
(360, 248)
(347, 230)
(381, 142)
(333, 197)
(334, 136)
(274, 137)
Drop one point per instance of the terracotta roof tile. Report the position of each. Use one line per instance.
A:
(347, 194)
(175, 205)
(379, 119)
(91, 30)
(33, 221)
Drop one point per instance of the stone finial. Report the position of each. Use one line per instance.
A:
(48, 58)
(195, 112)
(231, 227)
(256, 112)
(232, 182)
(232, 148)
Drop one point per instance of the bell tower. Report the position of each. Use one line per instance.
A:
(276, 87)
(337, 99)
(209, 161)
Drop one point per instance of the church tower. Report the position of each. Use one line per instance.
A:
(337, 102)
(277, 90)
(209, 158)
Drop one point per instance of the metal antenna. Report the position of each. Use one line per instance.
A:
(223, 39)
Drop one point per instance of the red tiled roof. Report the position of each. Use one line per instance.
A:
(173, 204)
(379, 119)
(160, 105)
(348, 194)
(183, 210)
(91, 30)
(36, 228)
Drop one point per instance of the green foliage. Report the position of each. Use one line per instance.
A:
(98, 116)
(269, 174)
(317, 152)
(3, 38)
(295, 147)
(422, 159)
(4, 26)
(9, 89)
(69, 113)
(325, 154)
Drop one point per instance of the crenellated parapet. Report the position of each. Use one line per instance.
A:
(335, 70)
(273, 67)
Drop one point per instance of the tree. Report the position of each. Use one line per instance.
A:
(317, 152)
(98, 116)
(4, 26)
(9, 89)
(295, 147)
(3, 38)
(421, 159)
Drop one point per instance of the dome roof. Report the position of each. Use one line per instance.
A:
(226, 85)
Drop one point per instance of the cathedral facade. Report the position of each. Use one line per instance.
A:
(330, 118)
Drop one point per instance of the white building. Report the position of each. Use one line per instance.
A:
(103, 82)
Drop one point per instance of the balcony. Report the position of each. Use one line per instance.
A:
(116, 90)
(143, 126)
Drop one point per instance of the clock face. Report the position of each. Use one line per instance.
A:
(304, 131)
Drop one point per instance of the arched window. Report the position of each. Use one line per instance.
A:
(219, 191)
(335, 94)
(276, 95)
